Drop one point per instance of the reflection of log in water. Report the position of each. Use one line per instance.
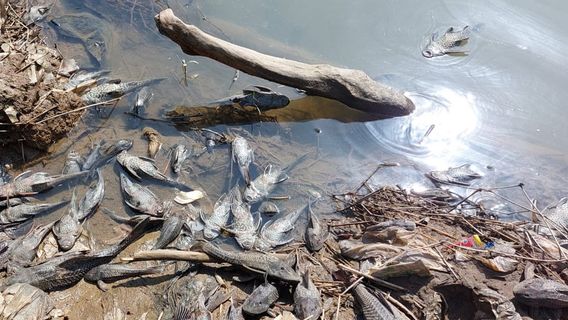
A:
(203, 117)
(305, 109)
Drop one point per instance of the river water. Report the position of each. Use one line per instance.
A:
(501, 107)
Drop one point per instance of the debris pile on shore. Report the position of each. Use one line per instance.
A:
(30, 75)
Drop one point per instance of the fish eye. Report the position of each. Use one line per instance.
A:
(427, 53)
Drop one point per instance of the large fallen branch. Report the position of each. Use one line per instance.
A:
(351, 87)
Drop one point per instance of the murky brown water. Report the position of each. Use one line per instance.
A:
(501, 107)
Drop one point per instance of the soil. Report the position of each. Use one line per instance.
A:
(30, 101)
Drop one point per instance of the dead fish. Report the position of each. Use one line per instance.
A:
(73, 163)
(141, 198)
(154, 143)
(28, 183)
(260, 299)
(92, 199)
(138, 166)
(243, 156)
(447, 43)
(461, 175)
(179, 154)
(143, 96)
(112, 90)
(276, 231)
(307, 301)
(35, 14)
(316, 233)
(115, 272)
(23, 301)
(212, 138)
(23, 250)
(63, 271)
(83, 76)
(371, 307)
(219, 218)
(27, 211)
(263, 185)
(260, 97)
(94, 154)
(68, 229)
(170, 230)
(110, 152)
(244, 224)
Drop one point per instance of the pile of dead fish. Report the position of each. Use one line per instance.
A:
(22, 234)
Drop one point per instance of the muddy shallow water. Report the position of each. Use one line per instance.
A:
(501, 107)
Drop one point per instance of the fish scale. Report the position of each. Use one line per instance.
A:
(140, 198)
(447, 42)
(273, 233)
(260, 299)
(244, 223)
(218, 218)
(110, 90)
(26, 211)
(371, 307)
(259, 261)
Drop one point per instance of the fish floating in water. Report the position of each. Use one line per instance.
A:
(262, 98)
(243, 156)
(73, 163)
(447, 43)
(111, 90)
(461, 175)
(143, 96)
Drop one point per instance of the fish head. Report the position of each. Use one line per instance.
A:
(433, 50)
(282, 100)
(247, 241)
(124, 144)
(251, 193)
(66, 231)
(280, 269)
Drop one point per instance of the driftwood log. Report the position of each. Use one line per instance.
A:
(354, 88)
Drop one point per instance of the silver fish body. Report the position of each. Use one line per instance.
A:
(307, 300)
(180, 153)
(245, 225)
(92, 199)
(110, 152)
(29, 183)
(143, 96)
(83, 76)
(260, 299)
(26, 211)
(110, 90)
(275, 232)
(316, 234)
(115, 272)
(371, 306)
(461, 175)
(68, 229)
(259, 261)
(170, 230)
(263, 185)
(138, 166)
(23, 250)
(243, 156)
(73, 163)
(446, 43)
(141, 198)
(91, 159)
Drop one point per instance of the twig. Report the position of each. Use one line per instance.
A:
(447, 264)
(380, 282)
(399, 305)
(560, 250)
(78, 109)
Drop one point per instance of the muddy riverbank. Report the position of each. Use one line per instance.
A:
(34, 111)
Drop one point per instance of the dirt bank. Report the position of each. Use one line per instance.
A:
(32, 106)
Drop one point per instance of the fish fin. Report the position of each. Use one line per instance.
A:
(433, 37)
(147, 159)
(450, 30)
(182, 312)
(257, 220)
(103, 286)
(23, 175)
(457, 53)
(134, 174)
(253, 269)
